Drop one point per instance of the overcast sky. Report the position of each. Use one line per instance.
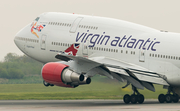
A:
(15, 14)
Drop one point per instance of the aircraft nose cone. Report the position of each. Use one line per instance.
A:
(20, 37)
(15, 41)
(17, 38)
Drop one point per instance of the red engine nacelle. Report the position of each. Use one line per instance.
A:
(60, 75)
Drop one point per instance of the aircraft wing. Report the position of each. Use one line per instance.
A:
(136, 75)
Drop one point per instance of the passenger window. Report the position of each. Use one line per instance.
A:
(142, 54)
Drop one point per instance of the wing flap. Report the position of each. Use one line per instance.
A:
(150, 77)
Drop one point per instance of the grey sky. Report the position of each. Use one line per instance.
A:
(15, 14)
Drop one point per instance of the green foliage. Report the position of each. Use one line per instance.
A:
(16, 67)
(15, 73)
(3, 73)
(27, 79)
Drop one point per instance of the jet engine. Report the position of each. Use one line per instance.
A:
(59, 74)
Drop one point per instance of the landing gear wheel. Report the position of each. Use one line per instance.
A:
(161, 98)
(134, 99)
(127, 98)
(168, 98)
(46, 84)
(51, 84)
(175, 98)
(140, 99)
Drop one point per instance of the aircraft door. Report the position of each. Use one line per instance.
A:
(25, 46)
(75, 24)
(25, 49)
(43, 41)
(142, 55)
(85, 48)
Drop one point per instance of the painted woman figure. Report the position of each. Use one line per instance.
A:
(32, 29)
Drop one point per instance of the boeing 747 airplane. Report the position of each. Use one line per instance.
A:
(76, 47)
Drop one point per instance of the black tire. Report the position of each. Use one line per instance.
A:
(175, 98)
(51, 84)
(140, 99)
(168, 98)
(161, 98)
(134, 99)
(127, 98)
(46, 84)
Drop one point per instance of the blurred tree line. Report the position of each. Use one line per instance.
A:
(16, 67)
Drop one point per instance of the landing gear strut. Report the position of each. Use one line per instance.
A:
(134, 98)
(168, 98)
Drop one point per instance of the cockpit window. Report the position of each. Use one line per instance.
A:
(37, 19)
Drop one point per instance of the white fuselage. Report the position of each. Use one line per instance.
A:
(121, 40)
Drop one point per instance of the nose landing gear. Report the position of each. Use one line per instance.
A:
(47, 84)
(134, 98)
